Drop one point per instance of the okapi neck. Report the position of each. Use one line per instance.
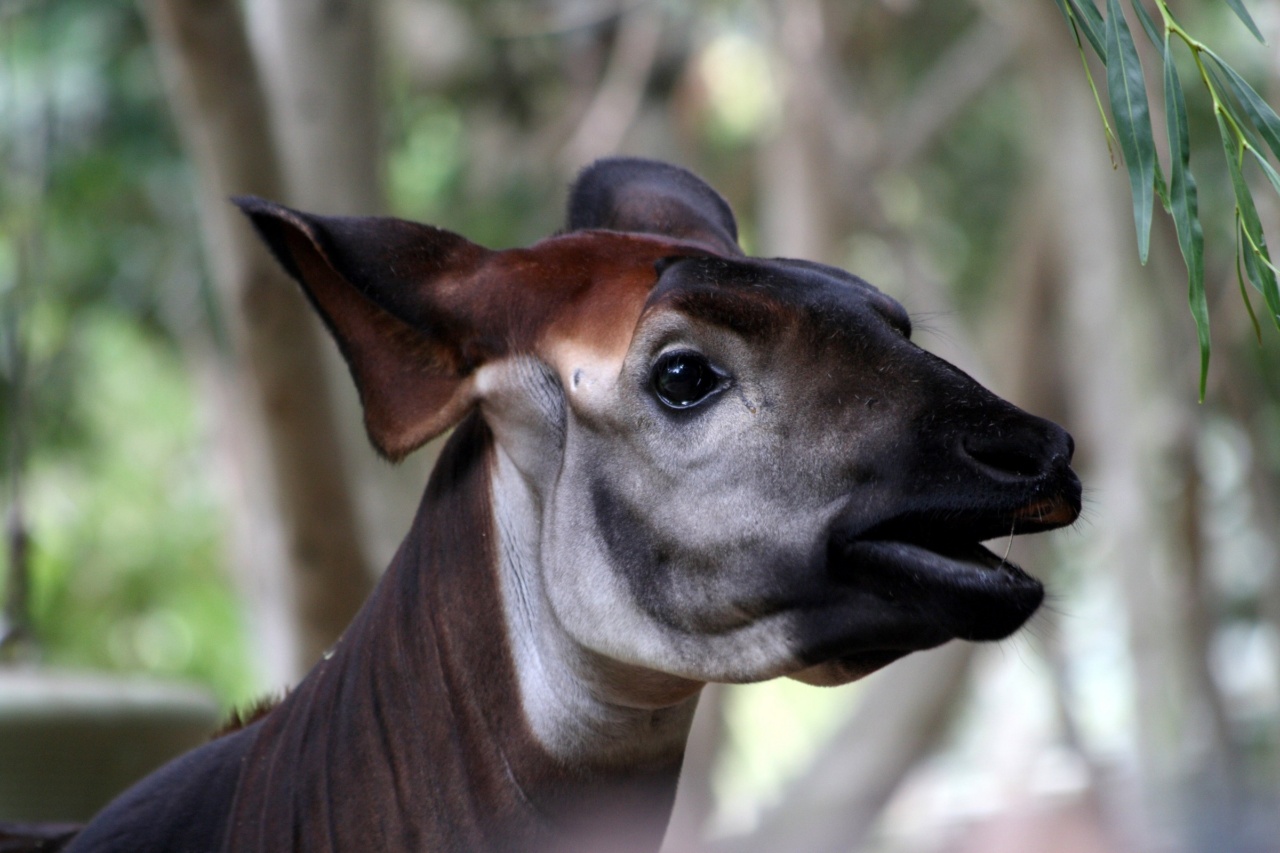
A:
(417, 711)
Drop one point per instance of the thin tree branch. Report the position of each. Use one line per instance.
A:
(967, 68)
(620, 96)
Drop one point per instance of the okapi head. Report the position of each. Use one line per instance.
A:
(705, 466)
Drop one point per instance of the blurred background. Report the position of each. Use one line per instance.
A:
(189, 494)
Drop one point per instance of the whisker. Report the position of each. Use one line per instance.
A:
(1008, 545)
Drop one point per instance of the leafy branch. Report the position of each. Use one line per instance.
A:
(1248, 125)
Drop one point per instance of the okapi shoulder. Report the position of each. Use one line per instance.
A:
(182, 806)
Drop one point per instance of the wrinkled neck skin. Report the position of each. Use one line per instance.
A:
(420, 709)
(627, 723)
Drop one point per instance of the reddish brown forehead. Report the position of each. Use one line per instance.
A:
(584, 289)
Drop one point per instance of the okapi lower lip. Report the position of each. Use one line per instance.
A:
(962, 587)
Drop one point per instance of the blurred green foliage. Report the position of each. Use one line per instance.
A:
(127, 564)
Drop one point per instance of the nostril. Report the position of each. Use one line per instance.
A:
(1004, 458)
(1071, 448)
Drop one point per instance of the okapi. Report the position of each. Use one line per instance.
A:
(671, 464)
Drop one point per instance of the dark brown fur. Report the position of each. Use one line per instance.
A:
(410, 735)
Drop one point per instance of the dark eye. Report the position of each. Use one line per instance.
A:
(684, 379)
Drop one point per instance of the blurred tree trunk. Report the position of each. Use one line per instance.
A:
(1022, 335)
(620, 95)
(1264, 426)
(222, 115)
(902, 713)
(320, 73)
(695, 799)
(1265, 485)
(794, 173)
(1108, 345)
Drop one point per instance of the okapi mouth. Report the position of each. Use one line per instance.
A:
(966, 591)
(916, 581)
(893, 597)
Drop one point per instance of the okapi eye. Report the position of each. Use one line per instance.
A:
(684, 379)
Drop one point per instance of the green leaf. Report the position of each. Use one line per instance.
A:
(1090, 20)
(1272, 175)
(1260, 113)
(1127, 90)
(1148, 25)
(1237, 6)
(1262, 272)
(1251, 266)
(1257, 260)
(1062, 7)
(1244, 291)
(1185, 206)
(1162, 189)
(1224, 88)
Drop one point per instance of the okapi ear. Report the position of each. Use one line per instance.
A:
(382, 287)
(630, 194)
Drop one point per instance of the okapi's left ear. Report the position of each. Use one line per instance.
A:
(649, 197)
(383, 287)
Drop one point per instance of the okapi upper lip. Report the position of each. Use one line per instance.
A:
(1048, 513)
(978, 519)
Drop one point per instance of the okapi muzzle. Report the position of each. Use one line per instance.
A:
(672, 464)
